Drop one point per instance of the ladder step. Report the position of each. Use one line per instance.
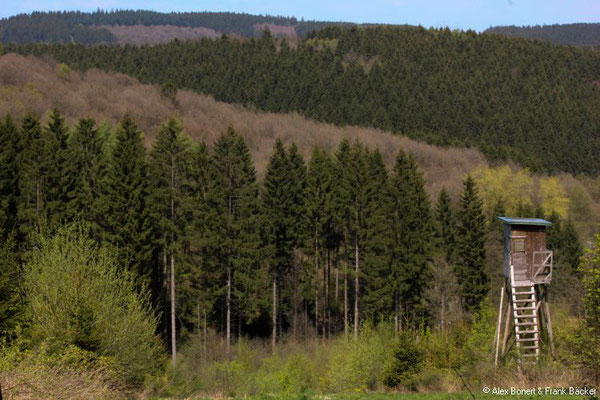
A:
(520, 284)
(526, 323)
(525, 308)
(523, 300)
(529, 355)
(525, 332)
(531, 339)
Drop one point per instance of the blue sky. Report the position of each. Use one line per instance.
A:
(462, 14)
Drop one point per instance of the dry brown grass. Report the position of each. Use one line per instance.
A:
(32, 84)
(41, 382)
(142, 34)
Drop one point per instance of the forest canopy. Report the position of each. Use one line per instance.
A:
(531, 102)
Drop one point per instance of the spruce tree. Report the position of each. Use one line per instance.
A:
(319, 211)
(235, 206)
(127, 224)
(31, 207)
(571, 250)
(409, 215)
(376, 269)
(341, 217)
(471, 233)
(87, 166)
(298, 224)
(169, 169)
(278, 220)
(445, 225)
(56, 156)
(9, 173)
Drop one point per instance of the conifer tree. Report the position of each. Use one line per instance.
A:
(87, 166)
(571, 250)
(169, 171)
(409, 215)
(9, 173)
(278, 221)
(319, 198)
(298, 224)
(445, 225)
(126, 204)
(376, 270)
(31, 207)
(341, 216)
(202, 278)
(56, 155)
(234, 223)
(470, 267)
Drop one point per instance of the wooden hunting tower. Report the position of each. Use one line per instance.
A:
(528, 272)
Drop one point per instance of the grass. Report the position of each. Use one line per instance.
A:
(392, 396)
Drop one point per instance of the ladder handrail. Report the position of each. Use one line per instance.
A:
(547, 263)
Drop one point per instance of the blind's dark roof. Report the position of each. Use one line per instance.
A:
(524, 221)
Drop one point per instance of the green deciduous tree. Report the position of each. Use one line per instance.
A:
(79, 294)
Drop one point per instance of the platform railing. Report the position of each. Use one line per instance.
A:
(542, 266)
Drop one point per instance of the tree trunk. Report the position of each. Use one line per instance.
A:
(274, 317)
(228, 315)
(346, 291)
(173, 331)
(326, 305)
(396, 316)
(356, 287)
(316, 285)
(204, 334)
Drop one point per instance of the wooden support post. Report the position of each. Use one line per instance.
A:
(546, 308)
(498, 327)
(507, 322)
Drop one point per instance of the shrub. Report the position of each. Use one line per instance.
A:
(63, 71)
(79, 295)
(407, 363)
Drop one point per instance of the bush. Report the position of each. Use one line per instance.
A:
(79, 295)
(407, 363)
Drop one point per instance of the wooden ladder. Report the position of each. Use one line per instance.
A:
(525, 314)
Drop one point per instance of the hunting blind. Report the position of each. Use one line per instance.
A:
(528, 272)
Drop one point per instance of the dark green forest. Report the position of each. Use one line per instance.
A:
(320, 245)
(583, 34)
(81, 27)
(534, 103)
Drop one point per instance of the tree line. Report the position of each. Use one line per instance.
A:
(84, 28)
(581, 34)
(318, 247)
(531, 102)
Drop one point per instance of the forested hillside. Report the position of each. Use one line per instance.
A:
(572, 34)
(264, 253)
(531, 102)
(97, 27)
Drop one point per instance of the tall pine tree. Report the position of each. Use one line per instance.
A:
(235, 206)
(56, 156)
(128, 222)
(169, 170)
(471, 233)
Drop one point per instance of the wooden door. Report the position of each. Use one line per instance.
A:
(519, 253)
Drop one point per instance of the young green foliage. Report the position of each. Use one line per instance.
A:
(79, 294)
